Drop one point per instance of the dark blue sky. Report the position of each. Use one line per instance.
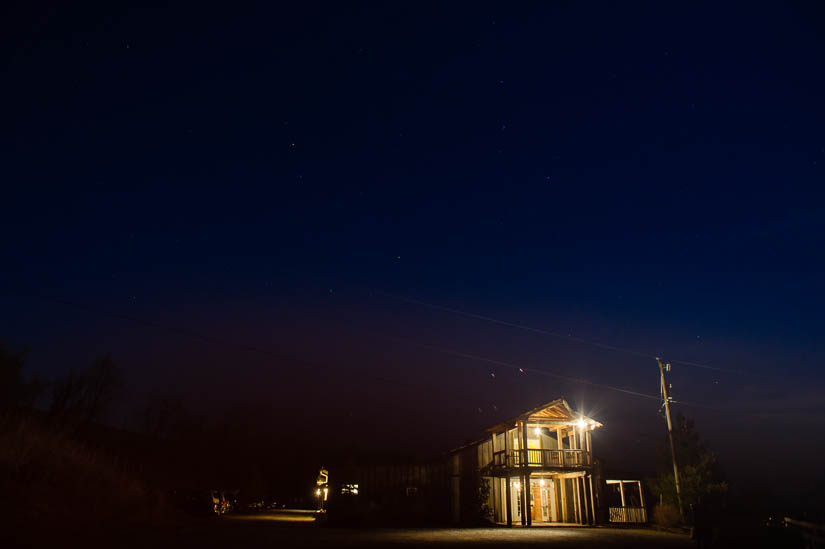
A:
(649, 178)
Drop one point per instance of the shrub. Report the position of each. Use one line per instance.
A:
(666, 515)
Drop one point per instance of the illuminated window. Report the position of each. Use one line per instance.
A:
(350, 489)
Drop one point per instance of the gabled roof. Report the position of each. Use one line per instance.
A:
(556, 412)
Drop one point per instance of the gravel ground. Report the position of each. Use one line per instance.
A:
(292, 530)
(296, 529)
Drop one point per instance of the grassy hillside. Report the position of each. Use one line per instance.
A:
(48, 475)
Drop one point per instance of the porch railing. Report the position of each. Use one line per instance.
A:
(628, 514)
(542, 458)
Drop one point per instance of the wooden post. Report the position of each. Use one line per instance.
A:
(563, 487)
(526, 461)
(582, 497)
(560, 439)
(642, 500)
(574, 445)
(495, 483)
(666, 396)
(528, 490)
(592, 500)
(562, 481)
(494, 487)
(580, 493)
(621, 491)
(507, 494)
(576, 515)
(522, 433)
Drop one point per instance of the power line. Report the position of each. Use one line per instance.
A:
(551, 334)
(178, 331)
(266, 352)
(523, 369)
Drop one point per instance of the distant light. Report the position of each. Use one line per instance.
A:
(318, 492)
(582, 424)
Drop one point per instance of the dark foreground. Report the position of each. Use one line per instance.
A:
(297, 529)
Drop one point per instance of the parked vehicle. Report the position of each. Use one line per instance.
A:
(219, 503)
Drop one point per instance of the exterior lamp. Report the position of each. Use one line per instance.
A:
(537, 430)
(582, 424)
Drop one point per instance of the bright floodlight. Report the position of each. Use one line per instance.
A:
(582, 424)
(537, 430)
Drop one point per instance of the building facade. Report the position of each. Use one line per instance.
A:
(534, 468)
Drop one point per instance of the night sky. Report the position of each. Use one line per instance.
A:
(293, 211)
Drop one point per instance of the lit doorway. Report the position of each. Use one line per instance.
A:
(543, 500)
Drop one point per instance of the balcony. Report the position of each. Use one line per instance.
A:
(549, 459)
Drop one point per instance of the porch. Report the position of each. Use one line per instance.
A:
(542, 458)
(548, 498)
(626, 502)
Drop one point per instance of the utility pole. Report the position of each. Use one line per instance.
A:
(666, 397)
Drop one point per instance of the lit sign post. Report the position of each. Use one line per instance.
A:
(322, 488)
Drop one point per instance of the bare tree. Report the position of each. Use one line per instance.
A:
(15, 391)
(86, 396)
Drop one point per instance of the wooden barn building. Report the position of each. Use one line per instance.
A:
(535, 468)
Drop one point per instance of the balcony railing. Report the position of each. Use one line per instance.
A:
(542, 458)
(628, 514)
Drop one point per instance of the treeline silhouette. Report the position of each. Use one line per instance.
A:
(61, 456)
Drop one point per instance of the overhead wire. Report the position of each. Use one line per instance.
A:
(541, 331)
(525, 369)
(181, 331)
(285, 357)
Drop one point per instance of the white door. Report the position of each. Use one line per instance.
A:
(545, 504)
(515, 488)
